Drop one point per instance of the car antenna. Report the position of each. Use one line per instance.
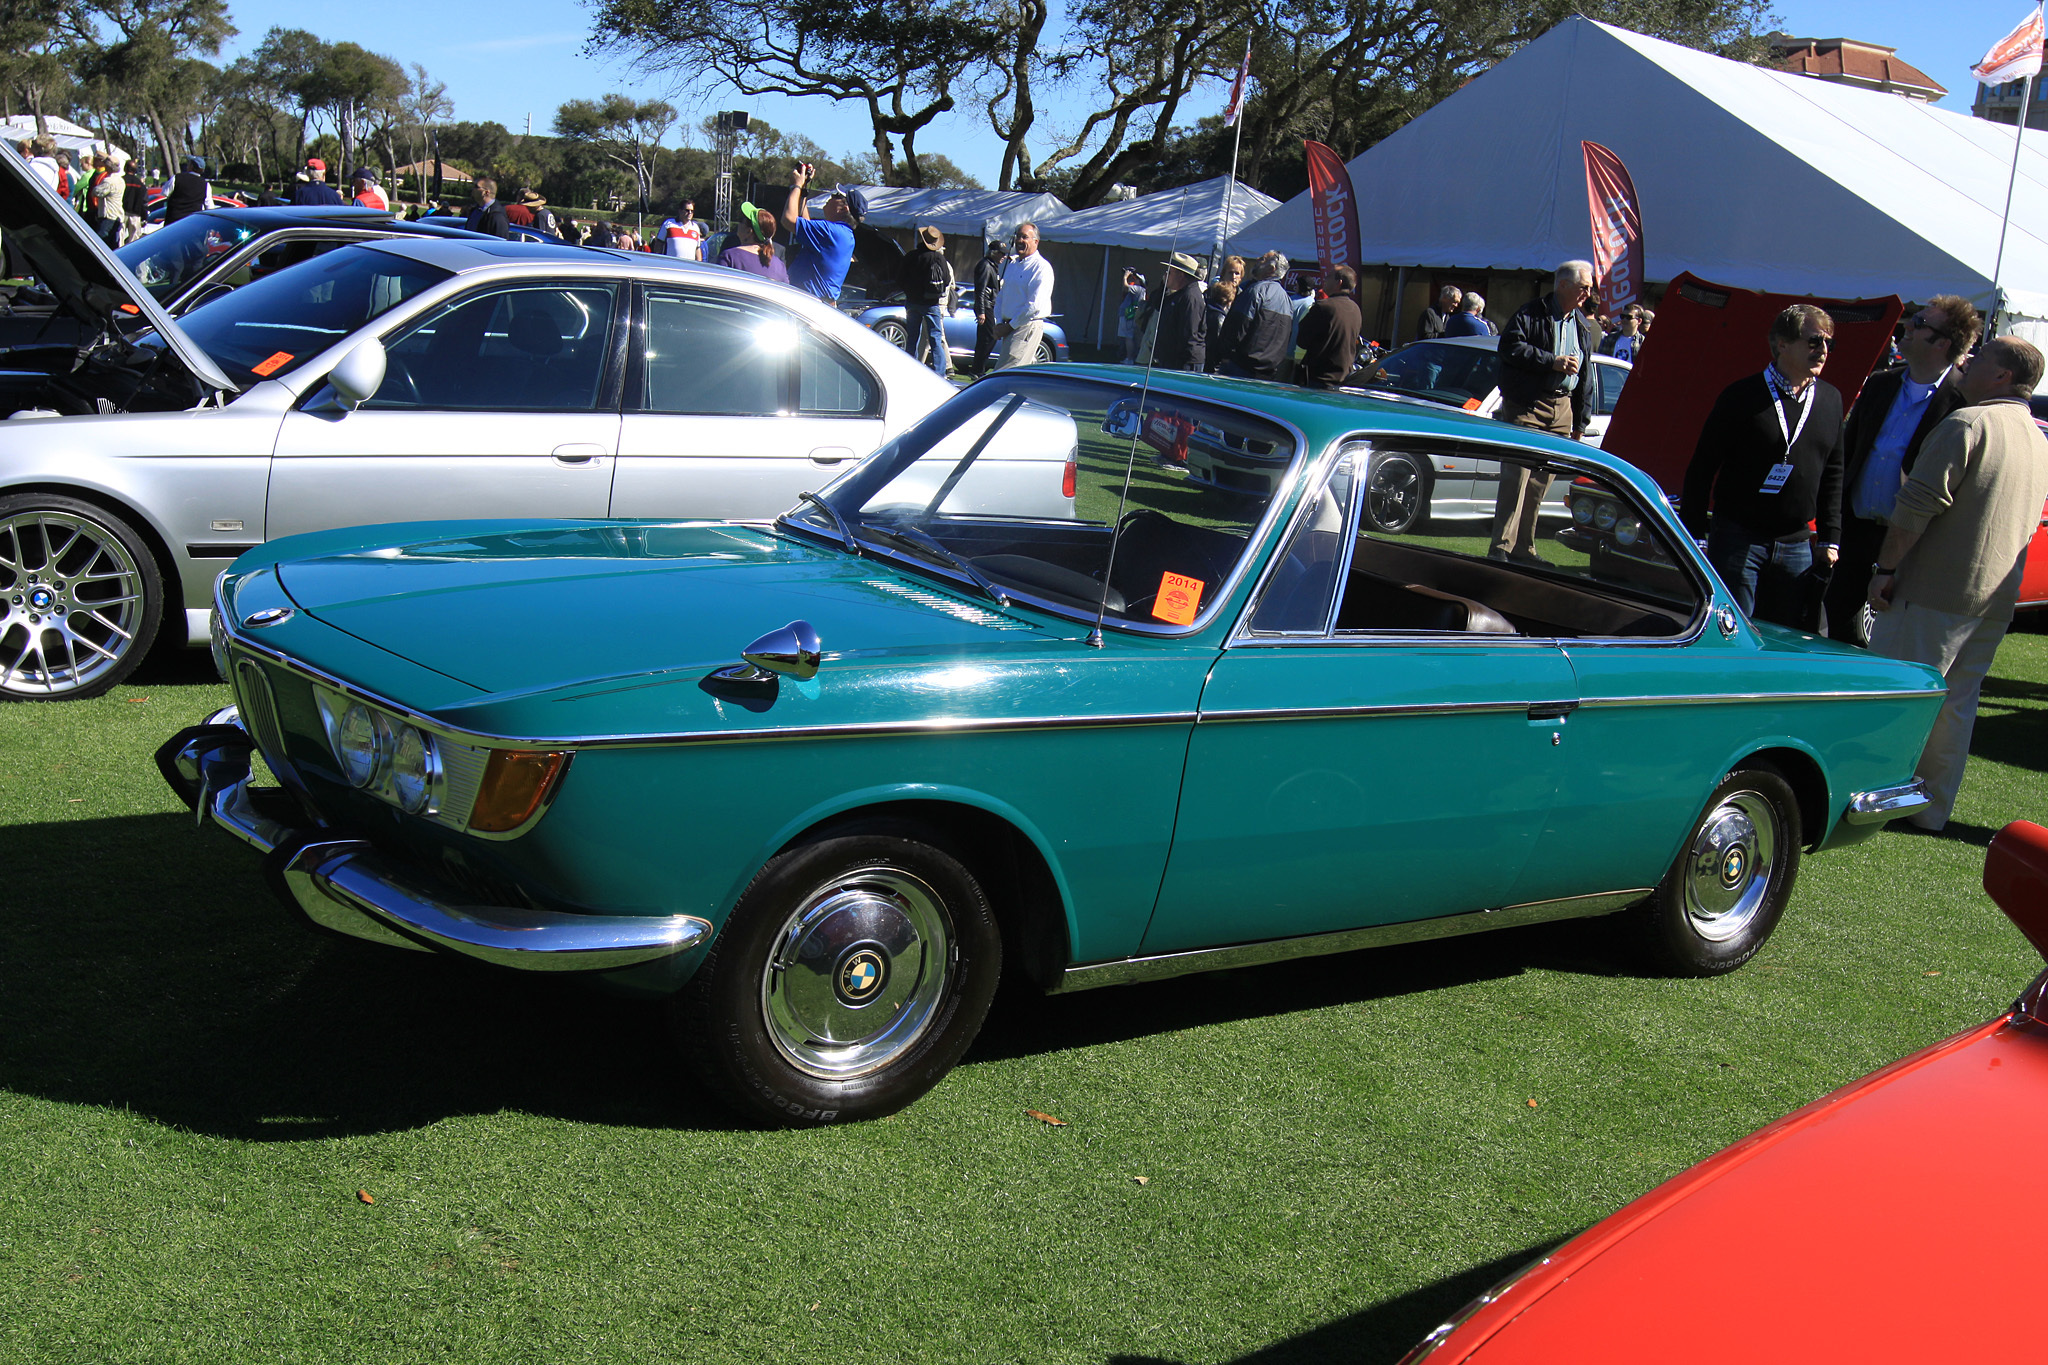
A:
(1116, 533)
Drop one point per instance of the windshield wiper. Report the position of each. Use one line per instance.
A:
(838, 520)
(912, 536)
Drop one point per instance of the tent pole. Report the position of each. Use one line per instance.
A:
(1400, 284)
(1106, 294)
(1998, 266)
(1229, 202)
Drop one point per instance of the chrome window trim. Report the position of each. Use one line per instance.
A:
(1390, 710)
(1243, 635)
(1325, 470)
(1301, 465)
(1715, 698)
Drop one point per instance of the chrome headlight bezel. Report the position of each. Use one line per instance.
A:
(417, 782)
(1605, 515)
(361, 740)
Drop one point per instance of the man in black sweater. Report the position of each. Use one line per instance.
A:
(1183, 338)
(1329, 334)
(1768, 463)
(1891, 418)
(1544, 357)
(988, 282)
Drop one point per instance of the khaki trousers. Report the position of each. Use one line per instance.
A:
(1962, 647)
(1021, 346)
(1521, 494)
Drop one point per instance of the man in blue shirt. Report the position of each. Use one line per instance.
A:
(313, 189)
(1891, 418)
(821, 248)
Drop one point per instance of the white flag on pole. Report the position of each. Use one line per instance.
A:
(1244, 76)
(2016, 55)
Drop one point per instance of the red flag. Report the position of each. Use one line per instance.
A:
(1244, 75)
(1334, 206)
(1617, 228)
(2017, 54)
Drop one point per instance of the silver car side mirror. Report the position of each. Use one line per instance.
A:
(792, 650)
(359, 375)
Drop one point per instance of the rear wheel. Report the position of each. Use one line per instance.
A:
(1396, 493)
(893, 332)
(1729, 886)
(80, 598)
(1046, 355)
(851, 977)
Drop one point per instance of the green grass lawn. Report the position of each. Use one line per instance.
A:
(1333, 1154)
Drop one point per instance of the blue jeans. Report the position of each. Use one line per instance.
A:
(929, 322)
(1760, 570)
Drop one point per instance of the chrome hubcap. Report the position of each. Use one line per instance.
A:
(1728, 869)
(857, 973)
(1392, 492)
(70, 602)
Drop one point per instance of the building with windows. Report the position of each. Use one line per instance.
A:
(1849, 61)
(2001, 104)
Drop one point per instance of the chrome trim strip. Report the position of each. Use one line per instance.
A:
(1338, 712)
(348, 886)
(1089, 975)
(1713, 698)
(1887, 803)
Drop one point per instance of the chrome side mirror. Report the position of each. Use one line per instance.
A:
(792, 650)
(359, 375)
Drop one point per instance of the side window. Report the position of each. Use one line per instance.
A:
(713, 355)
(535, 348)
(1611, 378)
(1535, 551)
(1296, 599)
(830, 384)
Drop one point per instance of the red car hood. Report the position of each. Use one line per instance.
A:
(1885, 1228)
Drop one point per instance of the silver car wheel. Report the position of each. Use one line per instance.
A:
(1727, 876)
(74, 602)
(857, 973)
(1396, 494)
(893, 332)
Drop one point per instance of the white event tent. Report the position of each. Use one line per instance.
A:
(1090, 250)
(1748, 177)
(968, 218)
(68, 136)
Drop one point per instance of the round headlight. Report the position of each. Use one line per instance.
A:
(415, 772)
(220, 644)
(1627, 530)
(1582, 511)
(361, 743)
(1604, 515)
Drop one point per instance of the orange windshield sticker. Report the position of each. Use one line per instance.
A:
(1472, 405)
(1178, 600)
(271, 364)
(132, 310)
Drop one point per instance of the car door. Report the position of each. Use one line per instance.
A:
(1360, 761)
(734, 407)
(501, 402)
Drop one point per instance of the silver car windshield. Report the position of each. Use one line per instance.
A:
(271, 326)
(1078, 495)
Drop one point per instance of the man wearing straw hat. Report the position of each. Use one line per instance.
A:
(1183, 337)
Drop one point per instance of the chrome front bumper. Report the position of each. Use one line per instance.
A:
(348, 886)
(1887, 803)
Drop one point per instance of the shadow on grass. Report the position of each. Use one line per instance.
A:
(1382, 1334)
(148, 967)
(1025, 1023)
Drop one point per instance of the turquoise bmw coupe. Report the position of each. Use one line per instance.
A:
(819, 782)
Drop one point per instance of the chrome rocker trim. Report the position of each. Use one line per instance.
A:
(1117, 972)
(348, 886)
(1887, 803)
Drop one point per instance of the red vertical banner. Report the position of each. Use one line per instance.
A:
(1617, 228)
(1334, 206)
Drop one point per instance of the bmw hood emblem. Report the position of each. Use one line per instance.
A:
(861, 975)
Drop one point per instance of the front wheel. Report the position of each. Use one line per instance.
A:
(80, 598)
(1729, 886)
(1396, 493)
(1046, 354)
(893, 332)
(851, 977)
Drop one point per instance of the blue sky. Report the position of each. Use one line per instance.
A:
(507, 59)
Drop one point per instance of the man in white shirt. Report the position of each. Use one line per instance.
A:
(1025, 301)
(1893, 415)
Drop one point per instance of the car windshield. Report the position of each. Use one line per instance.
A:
(1458, 375)
(1074, 494)
(269, 327)
(172, 257)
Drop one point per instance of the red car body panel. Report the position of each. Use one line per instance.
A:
(1890, 1220)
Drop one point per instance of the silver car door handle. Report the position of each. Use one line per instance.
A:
(831, 454)
(578, 453)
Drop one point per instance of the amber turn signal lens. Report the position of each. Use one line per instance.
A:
(516, 784)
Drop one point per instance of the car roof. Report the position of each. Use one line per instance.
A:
(336, 215)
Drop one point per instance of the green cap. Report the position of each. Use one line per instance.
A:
(752, 215)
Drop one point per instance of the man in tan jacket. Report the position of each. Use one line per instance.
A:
(1948, 573)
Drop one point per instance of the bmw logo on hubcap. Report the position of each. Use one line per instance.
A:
(862, 973)
(1733, 864)
(42, 599)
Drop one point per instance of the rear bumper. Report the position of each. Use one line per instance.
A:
(348, 886)
(1887, 803)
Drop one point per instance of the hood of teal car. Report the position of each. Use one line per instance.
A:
(515, 611)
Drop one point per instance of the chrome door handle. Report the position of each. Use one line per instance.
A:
(829, 455)
(578, 453)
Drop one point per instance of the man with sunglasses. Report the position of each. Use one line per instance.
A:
(1768, 463)
(1891, 418)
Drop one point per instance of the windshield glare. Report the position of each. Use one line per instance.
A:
(172, 256)
(1029, 481)
(271, 326)
(1431, 369)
